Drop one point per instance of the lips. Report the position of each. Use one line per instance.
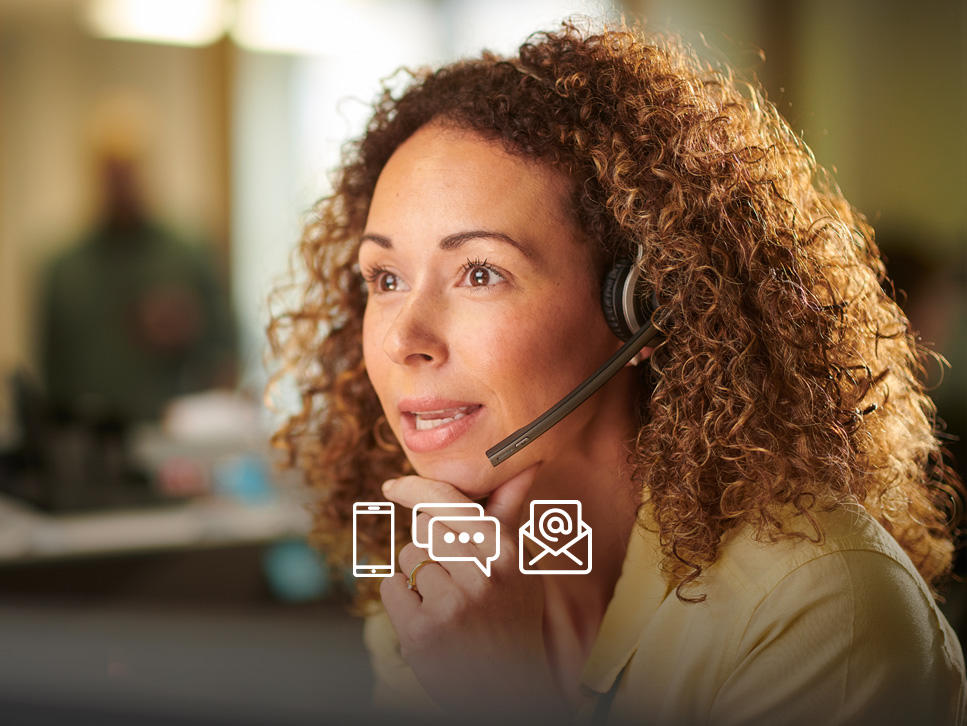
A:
(430, 424)
(432, 419)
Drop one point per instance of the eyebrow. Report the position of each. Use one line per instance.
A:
(454, 241)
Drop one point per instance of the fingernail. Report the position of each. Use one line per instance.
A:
(388, 484)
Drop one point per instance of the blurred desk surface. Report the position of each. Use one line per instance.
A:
(211, 521)
(159, 664)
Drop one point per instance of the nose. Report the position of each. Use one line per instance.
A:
(415, 335)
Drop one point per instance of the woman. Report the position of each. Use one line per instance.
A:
(768, 501)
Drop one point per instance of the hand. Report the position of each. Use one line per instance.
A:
(475, 642)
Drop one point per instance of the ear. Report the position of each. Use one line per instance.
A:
(642, 355)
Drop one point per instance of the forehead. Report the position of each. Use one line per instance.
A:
(468, 179)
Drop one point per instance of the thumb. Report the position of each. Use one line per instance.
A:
(506, 500)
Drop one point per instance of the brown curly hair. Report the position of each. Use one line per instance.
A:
(788, 376)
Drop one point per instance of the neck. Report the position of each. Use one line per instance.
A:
(595, 471)
(609, 503)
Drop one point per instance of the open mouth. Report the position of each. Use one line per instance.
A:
(437, 428)
(426, 420)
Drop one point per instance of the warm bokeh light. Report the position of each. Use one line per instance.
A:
(346, 29)
(178, 22)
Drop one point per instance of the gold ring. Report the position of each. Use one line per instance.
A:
(411, 584)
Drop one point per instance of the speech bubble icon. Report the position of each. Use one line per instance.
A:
(419, 534)
(451, 536)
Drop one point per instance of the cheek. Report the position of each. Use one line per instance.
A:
(368, 336)
(372, 349)
(546, 353)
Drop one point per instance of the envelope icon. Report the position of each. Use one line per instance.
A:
(555, 540)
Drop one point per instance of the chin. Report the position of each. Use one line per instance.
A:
(472, 475)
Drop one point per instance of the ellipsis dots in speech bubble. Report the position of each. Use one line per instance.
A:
(483, 558)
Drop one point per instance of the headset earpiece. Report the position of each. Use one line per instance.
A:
(624, 311)
(611, 296)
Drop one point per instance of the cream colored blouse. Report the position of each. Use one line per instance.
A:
(792, 632)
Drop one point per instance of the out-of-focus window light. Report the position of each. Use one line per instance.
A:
(335, 28)
(176, 22)
(502, 25)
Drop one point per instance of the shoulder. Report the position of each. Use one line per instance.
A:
(844, 547)
(850, 609)
(855, 562)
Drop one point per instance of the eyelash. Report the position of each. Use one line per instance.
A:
(372, 274)
(471, 265)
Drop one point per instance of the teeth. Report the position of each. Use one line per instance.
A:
(426, 420)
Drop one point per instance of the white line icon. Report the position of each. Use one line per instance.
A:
(457, 533)
(386, 513)
(556, 531)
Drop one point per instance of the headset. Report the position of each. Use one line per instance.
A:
(629, 317)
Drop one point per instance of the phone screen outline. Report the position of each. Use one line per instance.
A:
(379, 509)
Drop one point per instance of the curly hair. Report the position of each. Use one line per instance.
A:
(788, 379)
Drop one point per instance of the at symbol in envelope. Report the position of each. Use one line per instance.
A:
(555, 540)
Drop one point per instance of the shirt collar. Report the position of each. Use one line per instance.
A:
(637, 594)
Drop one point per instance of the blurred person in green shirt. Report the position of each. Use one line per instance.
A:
(133, 315)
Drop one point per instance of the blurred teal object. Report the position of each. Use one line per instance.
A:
(296, 572)
(245, 478)
(349, 581)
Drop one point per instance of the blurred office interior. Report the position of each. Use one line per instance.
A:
(153, 565)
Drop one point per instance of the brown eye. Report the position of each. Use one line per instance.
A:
(381, 280)
(479, 276)
(477, 273)
(387, 282)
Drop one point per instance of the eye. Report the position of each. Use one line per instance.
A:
(479, 273)
(382, 279)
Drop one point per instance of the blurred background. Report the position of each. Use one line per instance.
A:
(156, 160)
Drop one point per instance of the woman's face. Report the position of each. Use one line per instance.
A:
(483, 306)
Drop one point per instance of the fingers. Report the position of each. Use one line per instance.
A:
(412, 490)
(400, 600)
(424, 512)
(397, 597)
(463, 547)
(505, 501)
(464, 538)
(431, 579)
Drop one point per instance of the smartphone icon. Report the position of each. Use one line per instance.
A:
(385, 512)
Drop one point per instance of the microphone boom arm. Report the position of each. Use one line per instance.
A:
(526, 435)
